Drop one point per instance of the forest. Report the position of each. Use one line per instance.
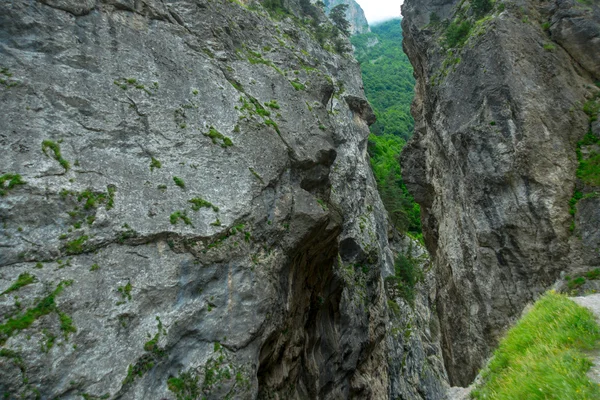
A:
(389, 83)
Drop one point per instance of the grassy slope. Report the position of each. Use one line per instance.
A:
(542, 357)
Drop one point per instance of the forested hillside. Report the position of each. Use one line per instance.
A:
(388, 80)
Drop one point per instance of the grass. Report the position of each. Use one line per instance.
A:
(179, 182)
(55, 149)
(76, 246)
(215, 136)
(549, 47)
(24, 320)
(542, 356)
(9, 181)
(154, 163)
(298, 85)
(24, 279)
(179, 215)
(198, 203)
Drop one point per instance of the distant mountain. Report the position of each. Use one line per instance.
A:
(355, 15)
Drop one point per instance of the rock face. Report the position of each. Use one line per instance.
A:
(188, 211)
(498, 155)
(355, 15)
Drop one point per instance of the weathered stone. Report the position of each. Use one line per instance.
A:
(493, 161)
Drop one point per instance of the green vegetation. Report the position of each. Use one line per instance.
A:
(298, 85)
(385, 162)
(458, 33)
(147, 361)
(125, 291)
(388, 78)
(215, 136)
(542, 357)
(185, 386)
(198, 203)
(549, 47)
(338, 16)
(55, 153)
(154, 163)
(9, 181)
(180, 215)
(24, 320)
(179, 182)
(94, 267)
(574, 283)
(126, 83)
(24, 279)
(76, 246)
(5, 76)
(272, 104)
(406, 275)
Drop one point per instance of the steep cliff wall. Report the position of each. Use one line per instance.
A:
(188, 211)
(505, 95)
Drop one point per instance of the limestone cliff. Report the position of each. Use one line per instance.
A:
(504, 161)
(188, 211)
(355, 15)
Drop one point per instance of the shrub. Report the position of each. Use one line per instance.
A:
(457, 34)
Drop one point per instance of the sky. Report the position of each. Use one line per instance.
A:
(380, 10)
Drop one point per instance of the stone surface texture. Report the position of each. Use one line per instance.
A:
(494, 158)
(195, 215)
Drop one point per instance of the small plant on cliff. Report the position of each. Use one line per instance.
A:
(457, 33)
(542, 357)
(338, 17)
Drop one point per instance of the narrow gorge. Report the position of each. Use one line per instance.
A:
(189, 209)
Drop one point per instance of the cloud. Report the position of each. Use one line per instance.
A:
(380, 10)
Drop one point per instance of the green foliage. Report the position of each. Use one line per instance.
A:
(76, 246)
(24, 279)
(24, 320)
(154, 163)
(481, 7)
(66, 324)
(298, 85)
(180, 215)
(185, 386)
(215, 135)
(549, 47)
(179, 182)
(406, 275)
(402, 209)
(542, 357)
(338, 16)
(94, 267)
(198, 203)
(272, 104)
(55, 153)
(125, 291)
(9, 181)
(388, 78)
(457, 33)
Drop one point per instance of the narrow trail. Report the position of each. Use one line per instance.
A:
(592, 302)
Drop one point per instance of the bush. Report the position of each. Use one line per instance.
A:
(457, 34)
(481, 7)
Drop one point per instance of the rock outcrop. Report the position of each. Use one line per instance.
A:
(355, 15)
(502, 158)
(188, 211)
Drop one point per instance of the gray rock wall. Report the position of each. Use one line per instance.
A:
(188, 210)
(494, 158)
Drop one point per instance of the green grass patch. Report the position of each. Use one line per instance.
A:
(198, 203)
(215, 136)
(179, 182)
(180, 215)
(542, 356)
(24, 320)
(154, 163)
(24, 279)
(54, 148)
(76, 246)
(458, 33)
(9, 181)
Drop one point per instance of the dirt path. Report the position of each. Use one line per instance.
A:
(592, 302)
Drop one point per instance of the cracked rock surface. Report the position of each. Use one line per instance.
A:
(499, 123)
(188, 211)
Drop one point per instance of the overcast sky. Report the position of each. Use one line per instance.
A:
(380, 10)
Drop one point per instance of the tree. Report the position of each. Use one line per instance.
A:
(338, 16)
